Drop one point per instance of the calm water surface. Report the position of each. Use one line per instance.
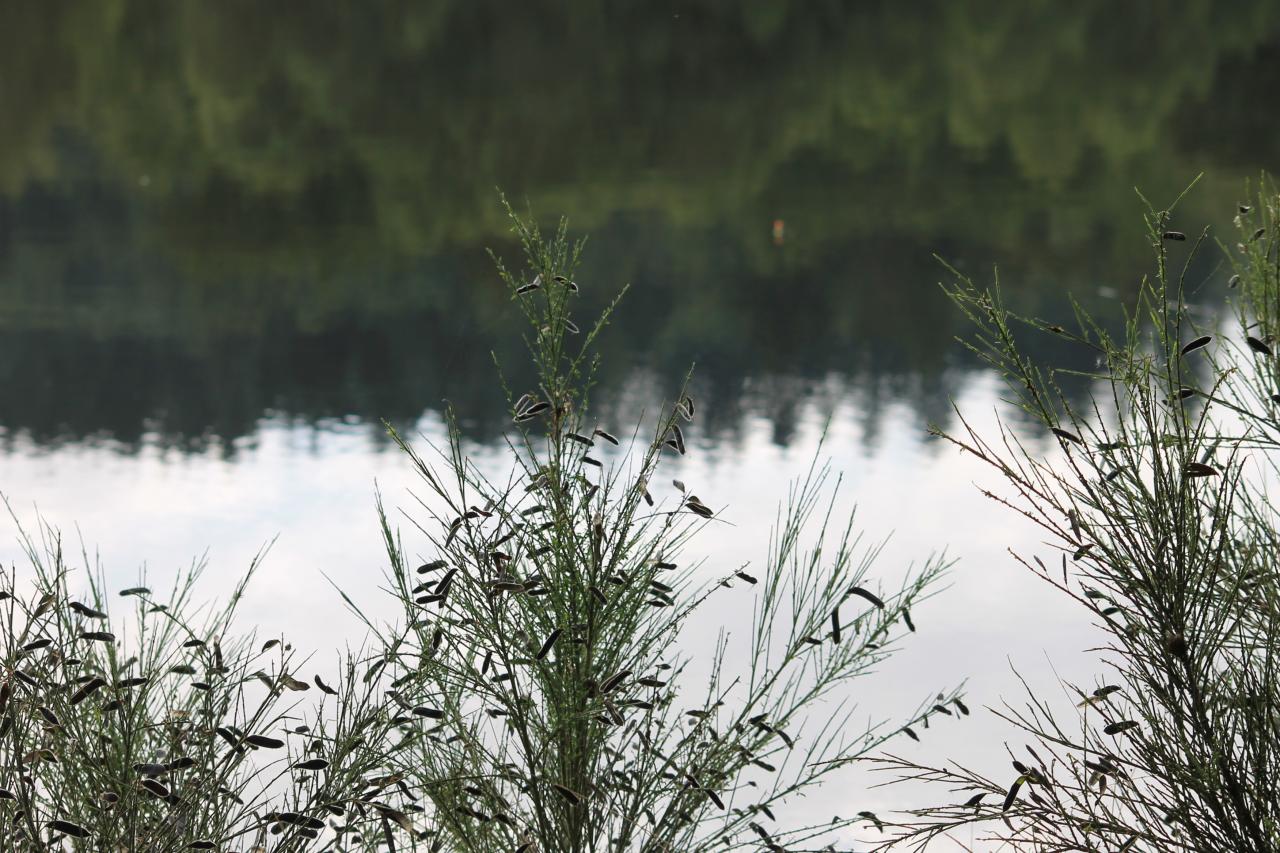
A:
(233, 239)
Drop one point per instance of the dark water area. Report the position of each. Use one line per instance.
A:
(212, 215)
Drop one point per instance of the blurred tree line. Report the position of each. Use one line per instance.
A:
(291, 208)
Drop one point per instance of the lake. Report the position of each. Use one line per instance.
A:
(234, 240)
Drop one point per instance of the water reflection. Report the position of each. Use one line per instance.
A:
(209, 216)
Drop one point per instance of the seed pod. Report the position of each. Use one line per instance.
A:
(87, 611)
(1257, 345)
(548, 643)
(678, 435)
(1013, 793)
(568, 793)
(1067, 435)
(66, 827)
(87, 689)
(1177, 236)
(1199, 342)
(869, 596)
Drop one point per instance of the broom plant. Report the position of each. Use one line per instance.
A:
(545, 608)
(1156, 496)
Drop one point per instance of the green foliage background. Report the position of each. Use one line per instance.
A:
(213, 211)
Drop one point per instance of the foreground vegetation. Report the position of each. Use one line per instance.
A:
(531, 697)
(1158, 498)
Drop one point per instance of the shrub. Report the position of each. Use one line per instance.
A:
(532, 698)
(1155, 491)
(544, 610)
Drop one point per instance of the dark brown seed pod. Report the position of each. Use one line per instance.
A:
(1122, 726)
(1067, 435)
(155, 788)
(98, 636)
(835, 626)
(292, 683)
(135, 590)
(1176, 236)
(698, 508)
(66, 827)
(1233, 281)
(869, 596)
(312, 764)
(910, 732)
(1257, 234)
(87, 611)
(429, 713)
(431, 567)
(1257, 345)
(548, 644)
(963, 708)
(532, 412)
(1199, 469)
(615, 681)
(678, 436)
(1198, 343)
(87, 689)
(264, 741)
(606, 436)
(568, 793)
(324, 688)
(1013, 793)
(746, 577)
(906, 617)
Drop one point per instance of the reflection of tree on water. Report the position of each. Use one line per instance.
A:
(318, 188)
